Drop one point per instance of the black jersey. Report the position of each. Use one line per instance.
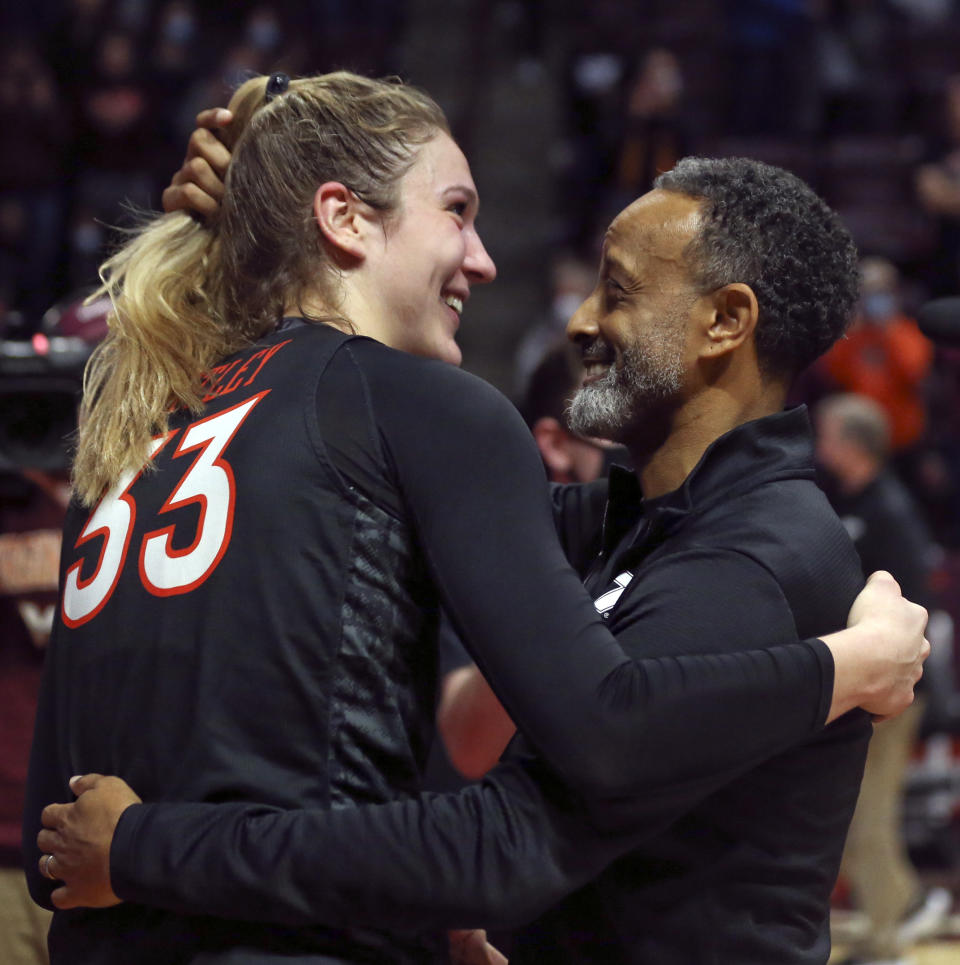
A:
(241, 622)
(250, 619)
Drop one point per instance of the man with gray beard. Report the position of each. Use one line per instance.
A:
(714, 290)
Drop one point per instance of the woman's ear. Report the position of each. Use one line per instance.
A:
(734, 319)
(343, 219)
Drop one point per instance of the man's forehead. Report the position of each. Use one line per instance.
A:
(658, 224)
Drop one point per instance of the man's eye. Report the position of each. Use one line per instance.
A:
(459, 208)
(613, 292)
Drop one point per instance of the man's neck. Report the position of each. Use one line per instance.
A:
(664, 455)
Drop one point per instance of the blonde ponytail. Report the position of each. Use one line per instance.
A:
(165, 331)
(185, 294)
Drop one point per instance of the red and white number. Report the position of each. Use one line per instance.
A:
(209, 482)
(163, 570)
(112, 519)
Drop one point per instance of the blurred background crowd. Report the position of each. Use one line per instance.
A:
(567, 112)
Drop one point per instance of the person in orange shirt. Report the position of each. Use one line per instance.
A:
(884, 355)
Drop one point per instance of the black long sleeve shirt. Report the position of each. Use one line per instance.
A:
(268, 682)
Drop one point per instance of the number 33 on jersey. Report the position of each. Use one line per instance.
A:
(208, 482)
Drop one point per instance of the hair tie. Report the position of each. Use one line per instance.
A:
(277, 84)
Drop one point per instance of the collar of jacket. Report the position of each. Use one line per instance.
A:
(775, 447)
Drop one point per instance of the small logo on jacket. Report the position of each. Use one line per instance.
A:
(608, 600)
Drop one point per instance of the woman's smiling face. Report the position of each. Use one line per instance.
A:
(431, 254)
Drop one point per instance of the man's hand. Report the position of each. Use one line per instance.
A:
(78, 837)
(472, 948)
(879, 657)
(198, 185)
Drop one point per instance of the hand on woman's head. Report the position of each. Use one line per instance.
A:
(198, 185)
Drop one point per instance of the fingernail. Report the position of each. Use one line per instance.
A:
(76, 777)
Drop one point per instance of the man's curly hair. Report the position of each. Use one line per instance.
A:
(764, 227)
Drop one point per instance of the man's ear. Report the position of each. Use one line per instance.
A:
(734, 319)
(344, 220)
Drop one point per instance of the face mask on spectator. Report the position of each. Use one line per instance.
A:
(879, 305)
(264, 34)
(180, 28)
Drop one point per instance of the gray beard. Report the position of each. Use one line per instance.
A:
(611, 407)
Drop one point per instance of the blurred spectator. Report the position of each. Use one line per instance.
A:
(39, 390)
(74, 39)
(937, 480)
(32, 506)
(863, 84)
(35, 132)
(114, 107)
(176, 48)
(359, 35)
(116, 151)
(256, 48)
(524, 20)
(571, 279)
(605, 38)
(175, 63)
(770, 81)
(653, 138)
(264, 31)
(938, 191)
(886, 358)
(852, 447)
(929, 12)
(213, 87)
(567, 457)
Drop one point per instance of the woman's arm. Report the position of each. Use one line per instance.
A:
(497, 853)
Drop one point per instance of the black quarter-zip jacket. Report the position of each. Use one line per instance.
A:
(746, 549)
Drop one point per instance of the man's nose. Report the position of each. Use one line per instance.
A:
(582, 323)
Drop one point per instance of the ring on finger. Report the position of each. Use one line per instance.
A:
(45, 867)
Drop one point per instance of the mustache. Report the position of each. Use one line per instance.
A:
(597, 349)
